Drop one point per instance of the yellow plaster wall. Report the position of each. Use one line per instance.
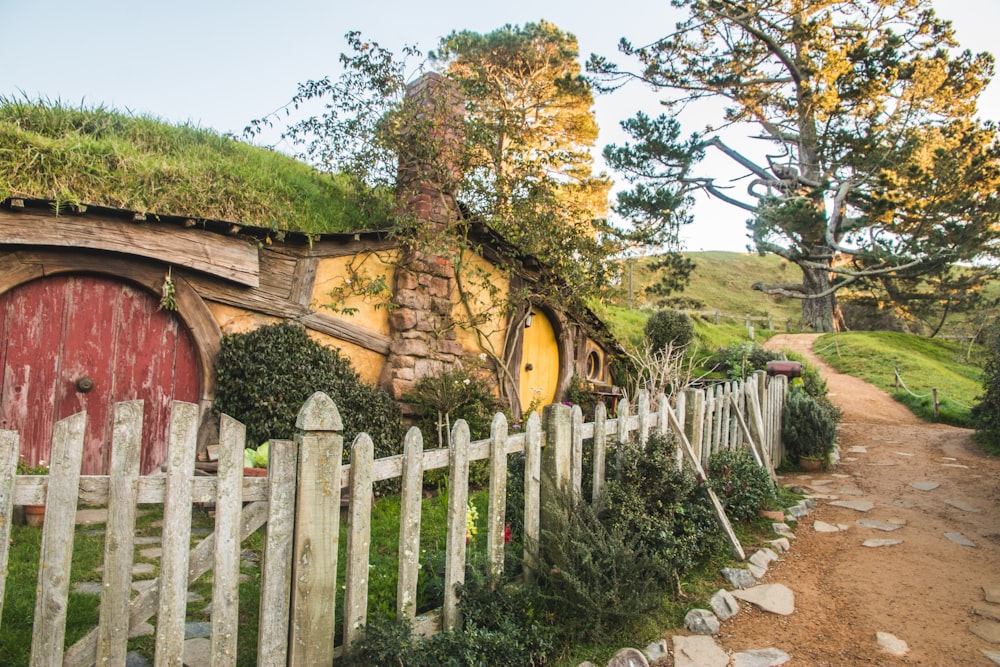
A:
(368, 364)
(237, 320)
(478, 278)
(231, 320)
(333, 273)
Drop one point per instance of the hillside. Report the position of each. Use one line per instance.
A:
(721, 281)
(103, 157)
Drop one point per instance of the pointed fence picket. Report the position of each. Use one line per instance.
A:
(300, 503)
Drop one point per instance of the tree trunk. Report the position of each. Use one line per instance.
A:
(819, 313)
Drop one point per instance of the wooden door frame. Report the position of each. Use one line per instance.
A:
(22, 266)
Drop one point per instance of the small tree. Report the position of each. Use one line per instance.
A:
(986, 413)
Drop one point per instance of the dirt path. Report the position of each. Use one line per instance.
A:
(923, 590)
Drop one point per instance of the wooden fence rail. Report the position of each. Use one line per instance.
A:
(299, 502)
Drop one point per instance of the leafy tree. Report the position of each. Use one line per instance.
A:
(986, 413)
(531, 131)
(874, 172)
(513, 147)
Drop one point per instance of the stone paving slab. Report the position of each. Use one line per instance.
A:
(824, 527)
(960, 539)
(879, 525)
(850, 491)
(925, 486)
(874, 544)
(857, 449)
(892, 644)
(988, 611)
(856, 505)
(954, 465)
(987, 631)
(991, 593)
(965, 507)
(698, 651)
(774, 598)
(992, 655)
(762, 657)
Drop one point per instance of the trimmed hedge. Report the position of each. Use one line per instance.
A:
(265, 376)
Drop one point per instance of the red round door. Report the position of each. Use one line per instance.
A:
(81, 342)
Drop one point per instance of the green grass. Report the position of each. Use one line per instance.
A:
(924, 364)
(103, 157)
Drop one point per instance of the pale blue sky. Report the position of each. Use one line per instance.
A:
(221, 64)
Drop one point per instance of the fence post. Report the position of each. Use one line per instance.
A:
(176, 530)
(411, 494)
(498, 494)
(226, 573)
(458, 506)
(54, 560)
(576, 449)
(694, 418)
(317, 531)
(557, 459)
(359, 522)
(8, 467)
(532, 495)
(600, 449)
(642, 410)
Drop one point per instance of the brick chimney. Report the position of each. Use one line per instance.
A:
(421, 325)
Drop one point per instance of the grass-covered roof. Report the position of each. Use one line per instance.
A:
(103, 157)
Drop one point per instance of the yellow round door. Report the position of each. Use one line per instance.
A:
(539, 364)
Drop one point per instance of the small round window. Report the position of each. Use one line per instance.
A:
(593, 365)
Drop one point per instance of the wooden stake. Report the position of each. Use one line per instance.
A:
(720, 513)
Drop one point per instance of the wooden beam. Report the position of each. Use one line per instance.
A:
(229, 258)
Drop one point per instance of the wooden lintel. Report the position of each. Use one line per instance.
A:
(228, 258)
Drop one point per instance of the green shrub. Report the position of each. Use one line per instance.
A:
(440, 401)
(596, 579)
(668, 327)
(502, 625)
(664, 507)
(266, 375)
(808, 429)
(741, 484)
(986, 413)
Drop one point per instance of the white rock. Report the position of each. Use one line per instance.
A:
(775, 598)
(628, 657)
(960, 539)
(856, 505)
(724, 605)
(701, 622)
(698, 651)
(763, 657)
(824, 527)
(992, 655)
(880, 543)
(781, 544)
(892, 644)
(925, 486)
(879, 525)
(657, 650)
(965, 507)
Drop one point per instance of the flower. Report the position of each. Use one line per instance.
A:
(471, 515)
(507, 536)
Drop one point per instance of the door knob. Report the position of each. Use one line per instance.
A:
(84, 384)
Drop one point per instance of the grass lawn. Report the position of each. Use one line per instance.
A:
(923, 363)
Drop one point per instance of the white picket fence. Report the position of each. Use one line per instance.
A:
(300, 501)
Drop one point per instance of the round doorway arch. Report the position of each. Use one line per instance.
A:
(83, 341)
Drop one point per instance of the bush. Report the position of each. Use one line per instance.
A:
(808, 429)
(266, 375)
(665, 507)
(502, 625)
(668, 327)
(597, 579)
(458, 393)
(986, 413)
(742, 485)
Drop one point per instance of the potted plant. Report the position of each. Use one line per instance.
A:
(34, 515)
(808, 430)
